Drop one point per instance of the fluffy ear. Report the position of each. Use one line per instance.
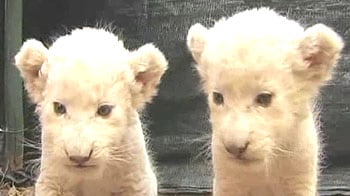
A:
(29, 61)
(148, 64)
(196, 40)
(320, 50)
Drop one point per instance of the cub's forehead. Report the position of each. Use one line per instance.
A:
(88, 42)
(87, 54)
(252, 79)
(87, 61)
(84, 87)
(256, 24)
(87, 69)
(257, 38)
(87, 47)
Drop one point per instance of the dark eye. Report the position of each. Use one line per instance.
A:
(104, 110)
(218, 98)
(264, 99)
(59, 108)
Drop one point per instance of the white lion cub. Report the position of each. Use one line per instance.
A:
(261, 72)
(89, 89)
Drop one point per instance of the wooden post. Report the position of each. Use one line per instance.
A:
(13, 99)
(2, 110)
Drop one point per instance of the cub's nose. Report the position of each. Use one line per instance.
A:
(237, 150)
(78, 159)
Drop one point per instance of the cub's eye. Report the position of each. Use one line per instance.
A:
(264, 99)
(104, 110)
(59, 108)
(218, 98)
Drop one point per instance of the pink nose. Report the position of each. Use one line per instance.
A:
(237, 151)
(80, 160)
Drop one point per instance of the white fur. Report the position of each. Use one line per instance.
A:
(242, 56)
(83, 70)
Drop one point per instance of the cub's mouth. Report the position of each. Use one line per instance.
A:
(81, 166)
(245, 160)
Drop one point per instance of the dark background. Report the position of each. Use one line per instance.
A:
(177, 119)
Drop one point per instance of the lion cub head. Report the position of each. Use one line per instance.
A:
(260, 70)
(87, 88)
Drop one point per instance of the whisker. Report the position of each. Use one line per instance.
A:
(204, 151)
(119, 153)
(279, 151)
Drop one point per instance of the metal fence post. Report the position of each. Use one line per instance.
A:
(13, 99)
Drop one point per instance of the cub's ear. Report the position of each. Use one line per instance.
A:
(196, 40)
(148, 64)
(29, 61)
(320, 50)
